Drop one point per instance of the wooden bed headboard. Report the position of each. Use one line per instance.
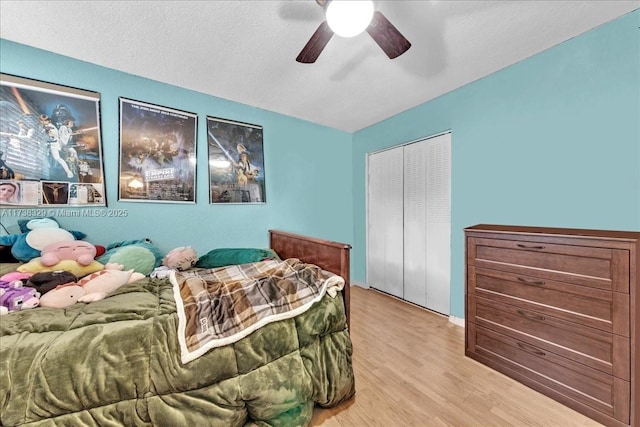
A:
(328, 255)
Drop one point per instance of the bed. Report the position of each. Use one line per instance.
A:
(119, 361)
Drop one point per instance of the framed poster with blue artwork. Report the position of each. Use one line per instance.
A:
(157, 153)
(50, 144)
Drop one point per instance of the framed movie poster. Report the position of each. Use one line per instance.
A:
(236, 162)
(157, 153)
(50, 143)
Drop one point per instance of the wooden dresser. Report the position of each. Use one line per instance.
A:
(557, 309)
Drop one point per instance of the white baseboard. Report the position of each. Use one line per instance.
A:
(459, 321)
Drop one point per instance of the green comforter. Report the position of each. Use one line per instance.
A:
(117, 362)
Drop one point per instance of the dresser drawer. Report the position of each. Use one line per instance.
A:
(592, 347)
(602, 268)
(597, 308)
(577, 383)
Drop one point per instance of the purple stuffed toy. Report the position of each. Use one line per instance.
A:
(15, 297)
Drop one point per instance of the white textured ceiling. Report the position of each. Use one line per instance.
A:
(245, 50)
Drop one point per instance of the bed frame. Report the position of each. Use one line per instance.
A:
(330, 256)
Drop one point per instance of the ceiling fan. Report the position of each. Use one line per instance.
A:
(390, 40)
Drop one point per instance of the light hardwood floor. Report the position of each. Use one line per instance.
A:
(411, 370)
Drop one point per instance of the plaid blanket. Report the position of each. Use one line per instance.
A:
(220, 306)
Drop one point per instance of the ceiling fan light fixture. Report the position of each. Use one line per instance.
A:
(348, 18)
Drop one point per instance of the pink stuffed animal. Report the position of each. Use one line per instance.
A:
(181, 258)
(76, 250)
(15, 276)
(93, 287)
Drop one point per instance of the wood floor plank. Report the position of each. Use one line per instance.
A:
(411, 370)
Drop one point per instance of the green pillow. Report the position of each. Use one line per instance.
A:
(234, 256)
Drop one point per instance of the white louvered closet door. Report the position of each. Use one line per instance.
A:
(385, 221)
(415, 224)
(427, 223)
(409, 222)
(438, 223)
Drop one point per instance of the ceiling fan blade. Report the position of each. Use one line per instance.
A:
(316, 44)
(387, 36)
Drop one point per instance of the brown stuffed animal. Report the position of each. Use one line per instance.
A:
(45, 281)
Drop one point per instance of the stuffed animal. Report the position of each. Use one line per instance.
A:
(15, 297)
(48, 280)
(82, 252)
(100, 250)
(93, 287)
(35, 266)
(180, 258)
(140, 255)
(35, 235)
(15, 276)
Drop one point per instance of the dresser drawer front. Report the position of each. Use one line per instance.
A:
(594, 348)
(604, 393)
(582, 265)
(605, 310)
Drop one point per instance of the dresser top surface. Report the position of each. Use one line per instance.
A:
(495, 228)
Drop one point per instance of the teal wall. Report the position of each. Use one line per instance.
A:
(307, 166)
(550, 141)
